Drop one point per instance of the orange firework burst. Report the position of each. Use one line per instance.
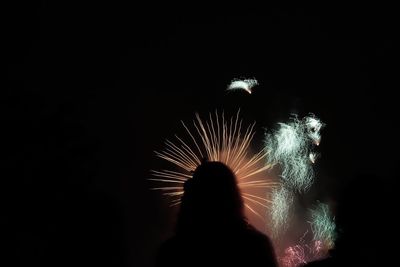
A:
(220, 140)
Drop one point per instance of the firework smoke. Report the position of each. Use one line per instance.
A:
(246, 85)
(291, 147)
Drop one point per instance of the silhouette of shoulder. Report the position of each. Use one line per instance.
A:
(258, 247)
(328, 262)
(248, 247)
(211, 229)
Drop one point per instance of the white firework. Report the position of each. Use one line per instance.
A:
(323, 225)
(282, 200)
(291, 146)
(246, 85)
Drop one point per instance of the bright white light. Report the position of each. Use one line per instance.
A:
(246, 85)
(291, 146)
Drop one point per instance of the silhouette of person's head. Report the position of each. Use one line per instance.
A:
(211, 198)
(211, 228)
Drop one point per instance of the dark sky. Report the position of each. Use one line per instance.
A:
(93, 89)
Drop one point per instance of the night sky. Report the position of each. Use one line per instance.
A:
(93, 89)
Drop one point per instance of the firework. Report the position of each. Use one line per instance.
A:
(246, 84)
(313, 126)
(282, 200)
(294, 256)
(291, 147)
(313, 157)
(323, 226)
(221, 140)
(302, 252)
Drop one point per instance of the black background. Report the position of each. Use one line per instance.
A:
(93, 89)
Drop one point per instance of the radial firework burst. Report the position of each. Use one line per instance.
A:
(217, 139)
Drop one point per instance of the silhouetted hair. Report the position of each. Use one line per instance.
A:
(211, 198)
(212, 229)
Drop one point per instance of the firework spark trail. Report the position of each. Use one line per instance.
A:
(313, 127)
(301, 252)
(323, 226)
(294, 256)
(221, 140)
(291, 147)
(282, 200)
(317, 247)
(313, 157)
(246, 85)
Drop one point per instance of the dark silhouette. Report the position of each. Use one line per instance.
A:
(211, 228)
